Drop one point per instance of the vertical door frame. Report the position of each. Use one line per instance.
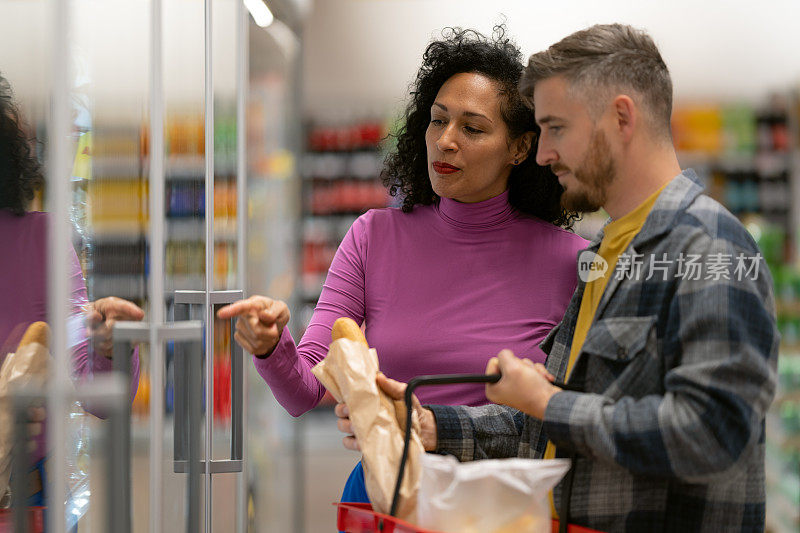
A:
(242, 84)
(59, 238)
(210, 243)
(156, 278)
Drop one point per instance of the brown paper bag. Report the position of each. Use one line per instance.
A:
(27, 367)
(349, 372)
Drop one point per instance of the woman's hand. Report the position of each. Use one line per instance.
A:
(101, 315)
(525, 385)
(395, 390)
(259, 324)
(345, 426)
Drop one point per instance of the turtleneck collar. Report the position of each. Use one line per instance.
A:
(486, 214)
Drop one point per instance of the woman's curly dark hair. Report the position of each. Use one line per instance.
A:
(533, 189)
(20, 171)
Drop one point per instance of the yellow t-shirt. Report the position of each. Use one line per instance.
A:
(618, 234)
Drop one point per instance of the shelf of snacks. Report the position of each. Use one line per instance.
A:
(340, 172)
(111, 171)
(745, 153)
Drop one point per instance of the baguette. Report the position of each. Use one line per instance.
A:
(346, 328)
(36, 332)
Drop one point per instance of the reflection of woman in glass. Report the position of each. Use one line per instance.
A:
(475, 260)
(23, 270)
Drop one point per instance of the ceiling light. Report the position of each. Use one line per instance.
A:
(260, 12)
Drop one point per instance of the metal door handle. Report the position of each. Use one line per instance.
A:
(125, 335)
(183, 392)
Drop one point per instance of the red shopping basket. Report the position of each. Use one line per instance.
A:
(360, 518)
(35, 520)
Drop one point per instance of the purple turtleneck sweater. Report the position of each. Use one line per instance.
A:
(441, 290)
(23, 299)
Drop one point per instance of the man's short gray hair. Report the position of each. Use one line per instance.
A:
(605, 60)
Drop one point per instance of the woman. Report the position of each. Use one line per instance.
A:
(473, 262)
(23, 274)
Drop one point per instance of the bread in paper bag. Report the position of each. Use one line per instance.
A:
(27, 367)
(349, 372)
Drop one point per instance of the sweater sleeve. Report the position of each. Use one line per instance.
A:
(287, 370)
(84, 365)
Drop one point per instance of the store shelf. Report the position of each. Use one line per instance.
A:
(340, 181)
(363, 164)
(749, 158)
(782, 476)
(117, 167)
(765, 164)
(185, 166)
(194, 229)
(127, 286)
(116, 236)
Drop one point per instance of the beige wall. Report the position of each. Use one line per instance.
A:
(366, 51)
(110, 44)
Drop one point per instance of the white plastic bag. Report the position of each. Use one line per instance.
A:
(490, 496)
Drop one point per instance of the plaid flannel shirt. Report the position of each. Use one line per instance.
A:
(678, 373)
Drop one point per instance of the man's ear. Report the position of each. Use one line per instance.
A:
(521, 148)
(625, 116)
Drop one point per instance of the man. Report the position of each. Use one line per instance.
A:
(671, 332)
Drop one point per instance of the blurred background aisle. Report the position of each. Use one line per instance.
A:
(326, 82)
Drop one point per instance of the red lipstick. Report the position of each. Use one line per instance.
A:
(443, 168)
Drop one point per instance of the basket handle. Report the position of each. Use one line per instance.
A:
(444, 379)
(421, 381)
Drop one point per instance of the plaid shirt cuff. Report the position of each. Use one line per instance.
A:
(454, 433)
(567, 416)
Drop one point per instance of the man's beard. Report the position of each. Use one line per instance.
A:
(595, 173)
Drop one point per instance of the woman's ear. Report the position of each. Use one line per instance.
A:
(521, 148)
